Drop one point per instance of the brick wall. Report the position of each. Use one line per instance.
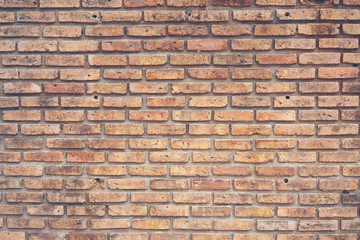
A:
(179, 119)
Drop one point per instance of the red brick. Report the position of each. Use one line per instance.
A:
(187, 30)
(120, 16)
(275, 30)
(232, 30)
(318, 29)
(143, 3)
(164, 45)
(253, 15)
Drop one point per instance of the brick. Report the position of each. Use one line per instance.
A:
(204, 73)
(104, 31)
(199, 198)
(24, 197)
(189, 171)
(121, 16)
(164, 45)
(62, 32)
(296, 237)
(150, 197)
(234, 116)
(318, 29)
(64, 60)
(351, 29)
(271, 171)
(337, 185)
(147, 170)
(7, 17)
(126, 129)
(8, 74)
(208, 16)
(72, 129)
(233, 225)
(106, 88)
(189, 88)
(169, 184)
(192, 115)
(85, 236)
(252, 236)
(24, 171)
(339, 14)
(233, 88)
(319, 58)
(123, 157)
(21, 60)
(9, 102)
(107, 197)
(190, 59)
(319, 199)
(119, 46)
(250, 129)
(129, 236)
(81, 156)
(276, 2)
(11, 210)
(265, 225)
(143, 3)
(298, 14)
(13, 235)
(127, 210)
(66, 170)
(296, 212)
(253, 15)
(207, 101)
(106, 143)
(79, 75)
(296, 185)
(192, 224)
(208, 129)
(345, 43)
(266, 59)
(207, 45)
(21, 143)
(160, 157)
(155, 129)
(254, 157)
(233, 198)
(78, 17)
(318, 225)
(122, 102)
(187, 30)
(21, 223)
(252, 73)
(254, 212)
(39, 102)
(275, 30)
(232, 59)
(146, 31)
(190, 144)
(339, 129)
(277, 115)
(72, 143)
(169, 211)
(79, 46)
(211, 185)
(220, 30)
(339, 157)
(9, 157)
(338, 101)
(129, 74)
(19, 31)
(64, 116)
(254, 185)
(318, 87)
(67, 224)
(295, 73)
(126, 184)
(100, 4)
(247, 102)
(100, 224)
(164, 16)
(37, 46)
(346, 212)
(212, 236)
(43, 184)
(350, 225)
(250, 44)
(318, 171)
(157, 116)
(337, 236)
(148, 88)
(294, 44)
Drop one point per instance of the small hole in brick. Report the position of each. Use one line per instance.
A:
(97, 179)
(287, 97)
(89, 75)
(345, 192)
(355, 65)
(95, 97)
(94, 16)
(287, 14)
(286, 180)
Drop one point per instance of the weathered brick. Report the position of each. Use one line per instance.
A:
(318, 29)
(275, 30)
(121, 16)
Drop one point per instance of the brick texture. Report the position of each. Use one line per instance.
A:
(179, 119)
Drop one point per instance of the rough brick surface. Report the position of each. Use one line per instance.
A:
(179, 119)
